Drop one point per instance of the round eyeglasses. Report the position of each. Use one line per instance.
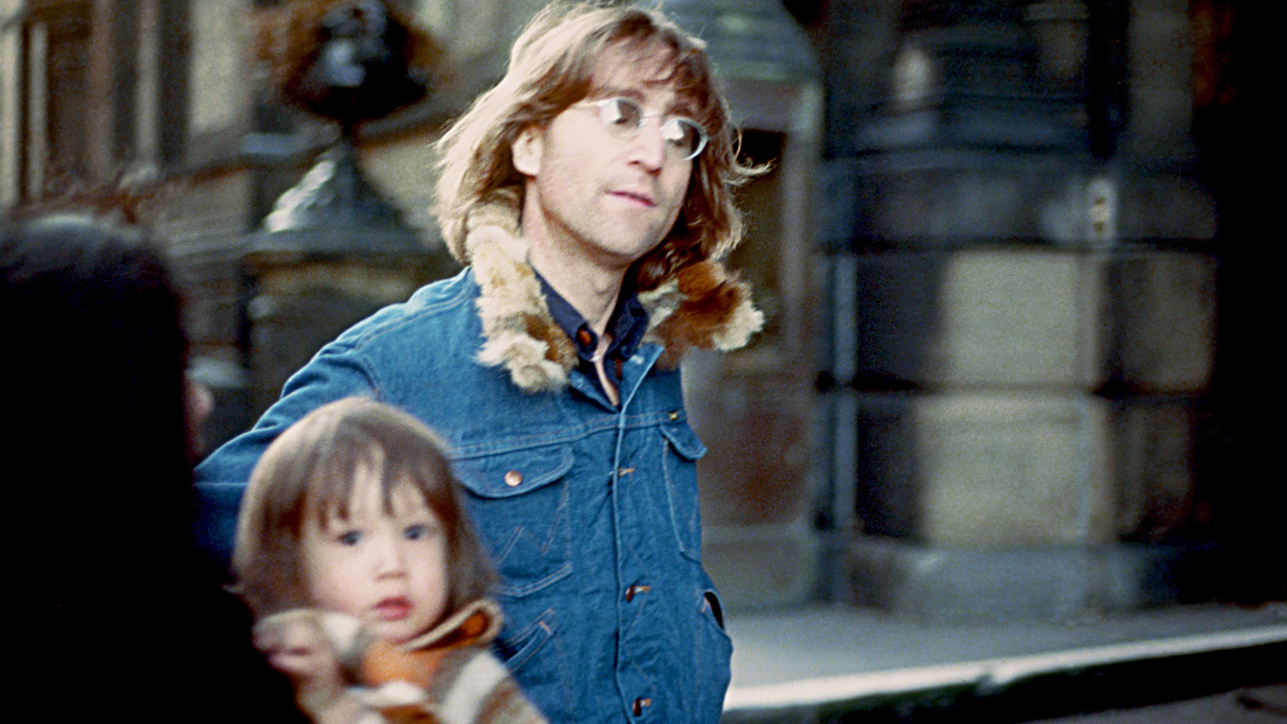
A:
(624, 118)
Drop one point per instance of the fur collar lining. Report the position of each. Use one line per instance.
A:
(703, 305)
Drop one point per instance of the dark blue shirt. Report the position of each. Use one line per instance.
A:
(626, 329)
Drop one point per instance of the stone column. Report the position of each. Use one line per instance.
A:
(332, 252)
(1021, 323)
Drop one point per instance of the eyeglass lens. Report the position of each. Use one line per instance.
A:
(624, 117)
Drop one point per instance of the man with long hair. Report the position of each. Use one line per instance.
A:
(588, 193)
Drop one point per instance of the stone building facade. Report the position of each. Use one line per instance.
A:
(1022, 257)
(999, 375)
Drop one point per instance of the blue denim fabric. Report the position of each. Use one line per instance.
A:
(608, 610)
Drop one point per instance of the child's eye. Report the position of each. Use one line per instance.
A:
(349, 538)
(416, 532)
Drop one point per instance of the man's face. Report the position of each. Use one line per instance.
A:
(594, 194)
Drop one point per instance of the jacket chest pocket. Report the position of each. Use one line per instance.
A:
(519, 504)
(680, 451)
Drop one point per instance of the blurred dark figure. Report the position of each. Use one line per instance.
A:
(113, 610)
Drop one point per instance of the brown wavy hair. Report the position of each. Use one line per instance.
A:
(551, 67)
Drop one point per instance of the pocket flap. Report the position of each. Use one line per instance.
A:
(684, 441)
(514, 473)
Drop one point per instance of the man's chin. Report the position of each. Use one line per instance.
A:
(629, 245)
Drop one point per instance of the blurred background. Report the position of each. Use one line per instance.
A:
(1013, 363)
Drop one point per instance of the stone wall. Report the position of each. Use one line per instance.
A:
(1020, 322)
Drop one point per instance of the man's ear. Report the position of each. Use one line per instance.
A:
(526, 151)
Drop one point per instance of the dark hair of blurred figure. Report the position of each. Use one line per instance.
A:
(114, 604)
(96, 360)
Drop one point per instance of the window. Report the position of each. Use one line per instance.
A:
(89, 90)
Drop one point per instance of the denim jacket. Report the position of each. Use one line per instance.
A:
(589, 510)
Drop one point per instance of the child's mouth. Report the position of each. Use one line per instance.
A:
(393, 609)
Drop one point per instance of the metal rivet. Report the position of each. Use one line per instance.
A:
(674, 415)
(513, 478)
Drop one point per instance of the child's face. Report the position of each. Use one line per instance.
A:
(390, 571)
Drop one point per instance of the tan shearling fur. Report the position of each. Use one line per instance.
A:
(703, 305)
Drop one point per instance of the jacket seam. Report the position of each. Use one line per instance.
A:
(371, 336)
(580, 432)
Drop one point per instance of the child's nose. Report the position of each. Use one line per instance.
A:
(389, 558)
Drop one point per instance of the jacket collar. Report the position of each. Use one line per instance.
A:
(702, 305)
(476, 623)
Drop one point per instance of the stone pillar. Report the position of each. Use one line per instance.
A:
(1021, 324)
(12, 121)
(331, 253)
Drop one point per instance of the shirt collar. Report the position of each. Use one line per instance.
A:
(627, 324)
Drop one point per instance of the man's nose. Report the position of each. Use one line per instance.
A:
(648, 148)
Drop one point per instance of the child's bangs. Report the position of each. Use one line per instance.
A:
(333, 485)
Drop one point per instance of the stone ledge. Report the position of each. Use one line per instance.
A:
(1048, 583)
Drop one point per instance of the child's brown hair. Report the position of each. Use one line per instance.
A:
(309, 469)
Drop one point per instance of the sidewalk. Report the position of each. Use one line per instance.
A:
(816, 664)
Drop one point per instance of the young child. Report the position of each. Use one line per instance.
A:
(366, 578)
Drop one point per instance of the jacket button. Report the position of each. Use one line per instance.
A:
(635, 590)
(513, 478)
(674, 415)
(639, 705)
